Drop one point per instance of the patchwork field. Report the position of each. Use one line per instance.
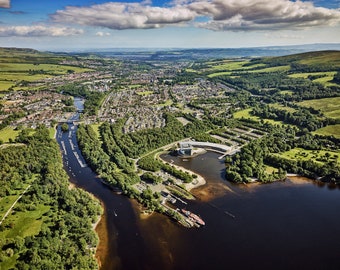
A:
(29, 65)
(324, 78)
(329, 106)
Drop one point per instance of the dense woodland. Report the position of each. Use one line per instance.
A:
(65, 239)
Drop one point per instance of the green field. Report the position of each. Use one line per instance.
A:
(314, 155)
(227, 65)
(270, 69)
(281, 107)
(95, 128)
(286, 92)
(246, 115)
(8, 133)
(145, 93)
(223, 73)
(329, 106)
(31, 68)
(332, 130)
(326, 78)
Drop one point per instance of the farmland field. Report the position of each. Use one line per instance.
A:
(13, 71)
(270, 69)
(325, 77)
(329, 106)
(332, 130)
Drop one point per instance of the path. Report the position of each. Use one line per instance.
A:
(10, 209)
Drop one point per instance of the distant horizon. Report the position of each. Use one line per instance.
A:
(110, 49)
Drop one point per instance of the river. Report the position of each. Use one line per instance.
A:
(293, 224)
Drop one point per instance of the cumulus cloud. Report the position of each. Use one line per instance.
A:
(220, 15)
(5, 3)
(37, 31)
(124, 15)
(263, 14)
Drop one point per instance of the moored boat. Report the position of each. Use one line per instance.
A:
(193, 216)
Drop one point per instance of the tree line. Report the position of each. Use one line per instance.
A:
(66, 239)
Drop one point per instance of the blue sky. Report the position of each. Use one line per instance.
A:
(75, 24)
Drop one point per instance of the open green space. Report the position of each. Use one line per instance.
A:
(281, 107)
(286, 92)
(245, 114)
(6, 202)
(332, 130)
(315, 155)
(18, 65)
(329, 106)
(270, 169)
(25, 223)
(8, 133)
(168, 102)
(270, 69)
(145, 93)
(95, 128)
(223, 73)
(227, 65)
(325, 78)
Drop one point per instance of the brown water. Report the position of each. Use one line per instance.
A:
(284, 225)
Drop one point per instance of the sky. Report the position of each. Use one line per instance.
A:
(87, 24)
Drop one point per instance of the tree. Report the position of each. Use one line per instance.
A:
(64, 127)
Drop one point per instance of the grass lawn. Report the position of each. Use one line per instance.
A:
(168, 102)
(26, 223)
(329, 131)
(8, 133)
(96, 129)
(281, 107)
(315, 155)
(52, 132)
(270, 169)
(329, 106)
(246, 115)
(133, 86)
(286, 92)
(145, 93)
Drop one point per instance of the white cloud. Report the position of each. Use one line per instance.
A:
(221, 15)
(37, 31)
(5, 3)
(124, 15)
(263, 14)
(102, 34)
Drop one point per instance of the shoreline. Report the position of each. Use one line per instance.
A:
(197, 182)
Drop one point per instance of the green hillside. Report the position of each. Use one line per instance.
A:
(18, 66)
(315, 59)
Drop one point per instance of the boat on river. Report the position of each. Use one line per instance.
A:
(193, 217)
